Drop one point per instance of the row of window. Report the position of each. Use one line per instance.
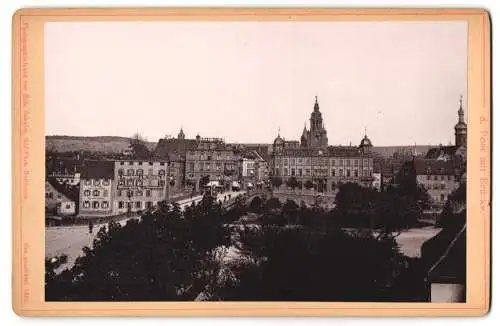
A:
(440, 198)
(121, 172)
(96, 193)
(96, 204)
(140, 163)
(96, 182)
(140, 183)
(323, 161)
(138, 193)
(324, 172)
(50, 195)
(435, 186)
(137, 204)
(441, 177)
(209, 166)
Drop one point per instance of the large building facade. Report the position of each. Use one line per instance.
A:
(315, 164)
(213, 160)
(96, 189)
(139, 185)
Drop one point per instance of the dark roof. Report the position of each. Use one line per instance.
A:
(435, 152)
(449, 257)
(71, 192)
(436, 167)
(174, 145)
(175, 157)
(63, 165)
(98, 170)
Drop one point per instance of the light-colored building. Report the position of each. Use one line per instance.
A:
(439, 178)
(96, 195)
(254, 169)
(139, 185)
(317, 164)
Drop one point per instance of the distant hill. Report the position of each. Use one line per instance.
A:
(105, 144)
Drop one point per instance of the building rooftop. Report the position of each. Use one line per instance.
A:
(93, 169)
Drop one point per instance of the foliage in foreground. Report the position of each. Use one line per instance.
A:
(163, 256)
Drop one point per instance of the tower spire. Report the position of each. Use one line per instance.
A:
(461, 110)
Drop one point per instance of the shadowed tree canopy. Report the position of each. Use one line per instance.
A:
(162, 256)
(139, 147)
(296, 264)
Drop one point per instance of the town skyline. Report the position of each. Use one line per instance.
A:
(400, 81)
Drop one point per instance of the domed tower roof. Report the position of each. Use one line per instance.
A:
(366, 143)
(278, 140)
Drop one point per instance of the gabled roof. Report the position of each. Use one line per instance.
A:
(98, 169)
(70, 192)
(173, 145)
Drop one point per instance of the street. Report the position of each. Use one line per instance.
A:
(69, 240)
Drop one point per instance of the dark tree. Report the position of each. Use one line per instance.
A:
(160, 257)
(294, 264)
(139, 147)
(292, 183)
(276, 182)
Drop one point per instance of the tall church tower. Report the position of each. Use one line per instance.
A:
(317, 133)
(461, 128)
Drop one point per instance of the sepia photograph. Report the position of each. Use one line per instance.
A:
(304, 161)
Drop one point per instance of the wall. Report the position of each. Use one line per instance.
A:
(145, 181)
(98, 194)
(439, 187)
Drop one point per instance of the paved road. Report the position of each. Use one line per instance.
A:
(69, 240)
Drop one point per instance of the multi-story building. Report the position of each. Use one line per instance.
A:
(439, 178)
(253, 168)
(176, 173)
(212, 159)
(138, 185)
(316, 163)
(96, 195)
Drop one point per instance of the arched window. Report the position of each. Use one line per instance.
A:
(86, 193)
(86, 204)
(95, 193)
(120, 172)
(130, 172)
(95, 204)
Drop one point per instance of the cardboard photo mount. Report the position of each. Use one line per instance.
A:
(29, 151)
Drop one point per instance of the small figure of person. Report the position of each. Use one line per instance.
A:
(225, 198)
(91, 226)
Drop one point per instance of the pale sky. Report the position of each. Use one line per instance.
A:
(241, 81)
